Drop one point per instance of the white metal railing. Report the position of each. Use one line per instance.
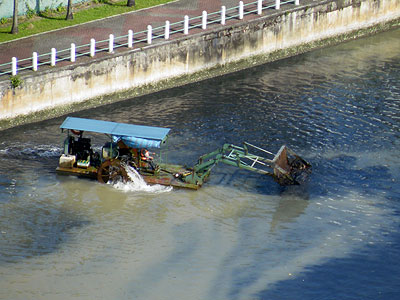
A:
(146, 36)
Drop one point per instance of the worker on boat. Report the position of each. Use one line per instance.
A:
(145, 156)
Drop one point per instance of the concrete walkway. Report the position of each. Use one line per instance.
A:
(117, 25)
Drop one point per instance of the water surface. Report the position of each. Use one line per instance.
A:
(241, 236)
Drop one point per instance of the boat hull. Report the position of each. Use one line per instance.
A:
(165, 176)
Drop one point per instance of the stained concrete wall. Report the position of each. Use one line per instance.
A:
(120, 76)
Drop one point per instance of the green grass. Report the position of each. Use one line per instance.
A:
(53, 19)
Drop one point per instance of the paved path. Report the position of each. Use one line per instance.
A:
(117, 25)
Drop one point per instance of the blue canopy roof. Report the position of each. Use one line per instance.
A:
(136, 136)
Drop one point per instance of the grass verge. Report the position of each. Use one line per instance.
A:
(51, 19)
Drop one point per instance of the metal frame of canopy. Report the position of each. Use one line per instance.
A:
(137, 136)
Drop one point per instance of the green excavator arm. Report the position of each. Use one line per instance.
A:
(285, 167)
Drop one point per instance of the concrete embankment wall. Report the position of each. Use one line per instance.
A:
(60, 90)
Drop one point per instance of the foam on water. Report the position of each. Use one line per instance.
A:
(137, 184)
(29, 150)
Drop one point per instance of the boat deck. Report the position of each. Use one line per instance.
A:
(164, 177)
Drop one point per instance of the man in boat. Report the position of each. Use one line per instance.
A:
(145, 157)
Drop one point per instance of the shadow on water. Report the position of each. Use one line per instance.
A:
(31, 231)
(32, 221)
(347, 172)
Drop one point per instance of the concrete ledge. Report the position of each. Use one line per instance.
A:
(58, 91)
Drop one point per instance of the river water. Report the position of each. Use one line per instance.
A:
(241, 236)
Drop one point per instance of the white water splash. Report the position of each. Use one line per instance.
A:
(137, 184)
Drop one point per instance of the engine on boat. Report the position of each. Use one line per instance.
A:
(78, 152)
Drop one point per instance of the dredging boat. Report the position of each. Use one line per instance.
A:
(128, 144)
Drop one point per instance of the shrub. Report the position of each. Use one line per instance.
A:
(30, 12)
(16, 81)
(60, 8)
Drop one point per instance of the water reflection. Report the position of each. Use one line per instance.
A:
(288, 210)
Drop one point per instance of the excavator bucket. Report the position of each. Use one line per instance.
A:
(289, 168)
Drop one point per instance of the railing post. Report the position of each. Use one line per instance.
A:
(130, 38)
(149, 34)
(259, 7)
(53, 57)
(223, 14)
(166, 34)
(204, 20)
(14, 66)
(186, 25)
(111, 43)
(92, 47)
(73, 52)
(277, 4)
(35, 61)
(241, 10)
(296, 2)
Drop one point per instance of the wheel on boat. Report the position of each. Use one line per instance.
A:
(112, 171)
